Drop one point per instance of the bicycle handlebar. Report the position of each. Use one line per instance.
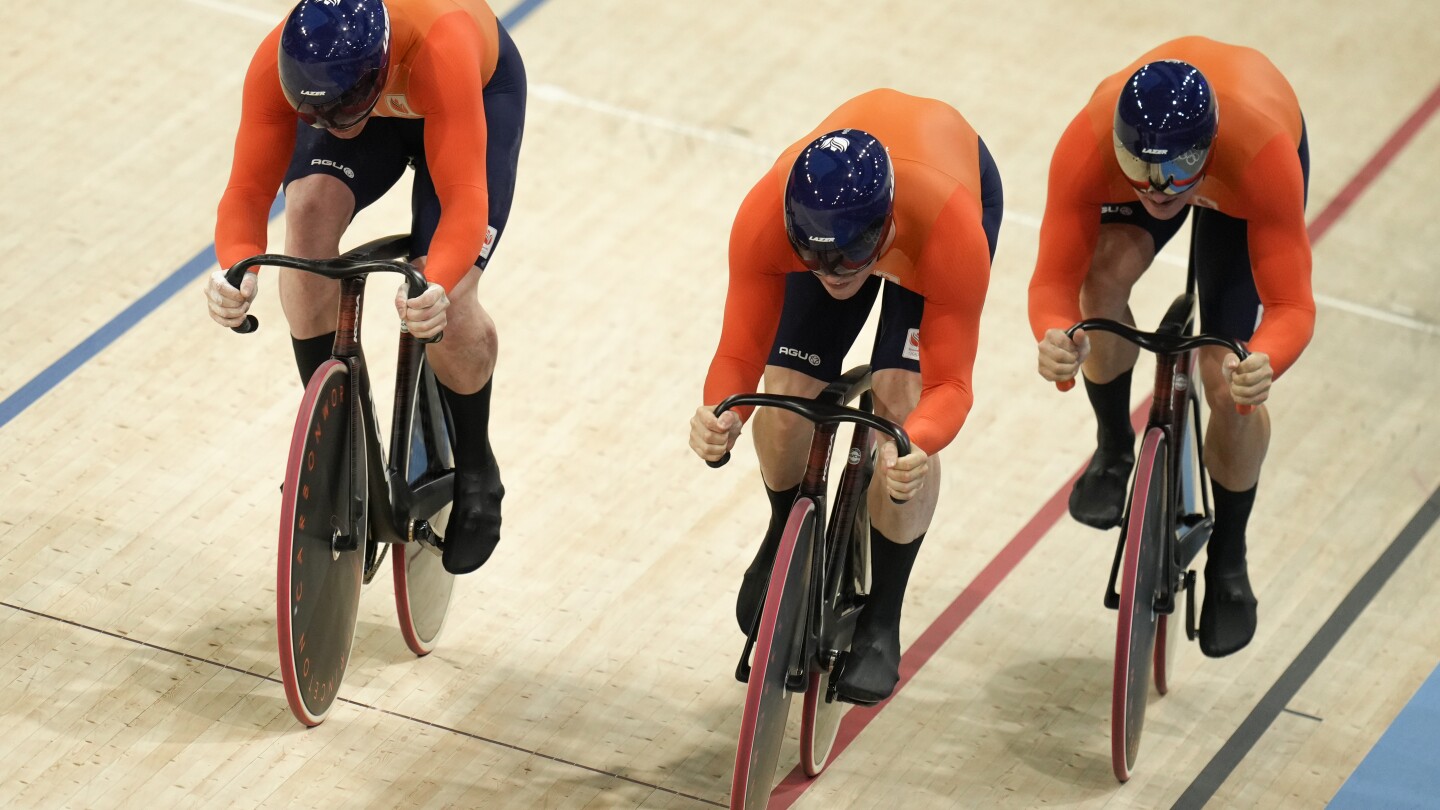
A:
(1159, 343)
(819, 412)
(336, 268)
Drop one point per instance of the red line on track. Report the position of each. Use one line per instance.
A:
(1376, 164)
(948, 622)
(919, 653)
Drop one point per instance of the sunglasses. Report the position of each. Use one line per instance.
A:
(1172, 177)
(347, 111)
(852, 258)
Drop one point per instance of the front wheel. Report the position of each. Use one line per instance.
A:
(777, 645)
(317, 588)
(1140, 581)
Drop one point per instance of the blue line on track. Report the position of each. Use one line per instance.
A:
(1399, 772)
(1235, 749)
(517, 15)
(27, 394)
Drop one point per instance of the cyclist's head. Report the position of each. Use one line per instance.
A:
(334, 59)
(838, 202)
(1165, 123)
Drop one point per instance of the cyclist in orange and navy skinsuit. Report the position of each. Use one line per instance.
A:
(1202, 124)
(889, 191)
(338, 100)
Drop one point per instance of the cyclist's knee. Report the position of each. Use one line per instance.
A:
(308, 302)
(317, 211)
(1212, 375)
(775, 425)
(1122, 255)
(781, 380)
(896, 392)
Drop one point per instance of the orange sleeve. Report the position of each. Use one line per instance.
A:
(1280, 254)
(955, 268)
(755, 297)
(447, 87)
(1069, 231)
(262, 153)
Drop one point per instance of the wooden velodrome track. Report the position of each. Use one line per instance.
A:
(590, 663)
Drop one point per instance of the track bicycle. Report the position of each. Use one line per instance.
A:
(816, 589)
(1168, 519)
(344, 502)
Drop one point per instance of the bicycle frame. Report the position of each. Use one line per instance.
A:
(388, 489)
(1175, 411)
(835, 593)
(814, 592)
(1167, 521)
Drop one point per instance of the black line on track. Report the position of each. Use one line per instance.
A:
(1309, 659)
(390, 712)
(1304, 715)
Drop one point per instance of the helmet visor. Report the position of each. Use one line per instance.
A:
(853, 257)
(1174, 176)
(349, 109)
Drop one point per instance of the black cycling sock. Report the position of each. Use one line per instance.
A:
(872, 670)
(473, 530)
(890, 566)
(780, 503)
(752, 591)
(471, 413)
(310, 353)
(1232, 515)
(1111, 402)
(1228, 615)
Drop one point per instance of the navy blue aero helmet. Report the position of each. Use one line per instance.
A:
(838, 201)
(1165, 123)
(334, 58)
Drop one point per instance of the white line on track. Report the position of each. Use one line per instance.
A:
(559, 95)
(267, 17)
(1363, 310)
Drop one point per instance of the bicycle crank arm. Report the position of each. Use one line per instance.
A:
(742, 669)
(422, 532)
(1190, 630)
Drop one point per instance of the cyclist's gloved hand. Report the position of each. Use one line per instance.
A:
(1060, 357)
(904, 477)
(710, 436)
(227, 304)
(424, 315)
(1249, 379)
